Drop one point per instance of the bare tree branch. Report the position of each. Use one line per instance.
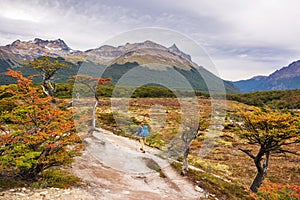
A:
(248, 152)
(286, 151)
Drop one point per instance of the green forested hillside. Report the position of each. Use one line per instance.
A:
(197, 81)
(282, 99)
(61, 76)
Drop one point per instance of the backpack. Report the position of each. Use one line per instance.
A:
(144, 131)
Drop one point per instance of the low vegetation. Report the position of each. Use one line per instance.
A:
(226, 171)
(273, 191)
(53, 177)
(64, 90)
(282, 99)
(37, 138)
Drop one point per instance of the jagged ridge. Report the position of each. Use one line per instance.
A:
(38, 47)
(118, 60)
(285, 78)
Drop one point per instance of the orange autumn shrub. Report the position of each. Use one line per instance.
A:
(273, 191)
(35, 135)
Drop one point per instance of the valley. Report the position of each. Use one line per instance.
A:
(193, 116)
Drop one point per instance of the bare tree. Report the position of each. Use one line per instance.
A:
(191, 130)
(92, 84)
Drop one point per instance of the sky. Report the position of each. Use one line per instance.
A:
(243, 38)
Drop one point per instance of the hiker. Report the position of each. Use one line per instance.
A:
(143, 133)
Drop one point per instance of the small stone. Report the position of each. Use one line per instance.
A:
(35, 195)
(44, 193)
(12, 190)
(125, 192)
(199, 189)
(67, 192)
(20, 194)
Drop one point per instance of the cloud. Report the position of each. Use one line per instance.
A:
(72, 22)
(238, 68)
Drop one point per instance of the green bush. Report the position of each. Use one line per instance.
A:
(215, 185)
(283, 99)
(56, 178)
(49, 178)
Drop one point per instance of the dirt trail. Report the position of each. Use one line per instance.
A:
(114, 168)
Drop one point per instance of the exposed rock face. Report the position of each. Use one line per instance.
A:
(282, 79)
(106, 54)
(129, 52)
(291, 71)
(174, 49)
(38, 47)
(149, 55)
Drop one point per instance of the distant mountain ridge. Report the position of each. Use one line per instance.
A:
(13, 53)
(285, 78)
(109, 54)
(153, 57)
(38, 47)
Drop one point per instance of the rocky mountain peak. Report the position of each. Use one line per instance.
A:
(15, 43)
(39, 47)
(59, 44)
(148, 48)
(38, 40)
(290, 71)
(174, 49)
(151, 44)
(141, 45)
(147, 54)
(287, 77)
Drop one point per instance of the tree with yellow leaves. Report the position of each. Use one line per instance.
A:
(271, 131)
(48, 67)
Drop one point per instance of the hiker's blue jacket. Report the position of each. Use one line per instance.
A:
(143, 131)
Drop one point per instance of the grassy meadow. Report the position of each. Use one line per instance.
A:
(225, 171)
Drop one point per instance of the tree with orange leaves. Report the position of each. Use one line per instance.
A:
(35, 136)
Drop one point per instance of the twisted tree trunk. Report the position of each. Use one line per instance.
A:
(261, 170)
(185, 165)
(95, 113)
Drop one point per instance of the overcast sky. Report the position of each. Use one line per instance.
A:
(243, 38)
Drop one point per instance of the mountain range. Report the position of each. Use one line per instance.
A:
(283, 79)
(155, 59)
(149, 54)
(13, 55)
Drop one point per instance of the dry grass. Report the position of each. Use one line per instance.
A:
(224, 159)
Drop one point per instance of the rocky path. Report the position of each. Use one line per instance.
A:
(114, 168)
